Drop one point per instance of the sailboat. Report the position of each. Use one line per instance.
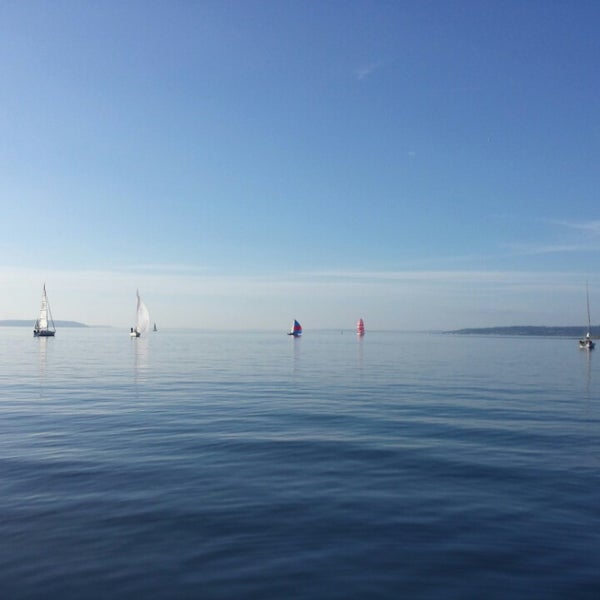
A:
(154, 328)
(296, 329)
(587, 343)
(360, 327)
(142, 318)
(44, 326)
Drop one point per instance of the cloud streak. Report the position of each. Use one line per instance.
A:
(365, 71)
(592, 227)
(540, 249)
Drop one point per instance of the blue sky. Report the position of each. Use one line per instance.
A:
(423, 165)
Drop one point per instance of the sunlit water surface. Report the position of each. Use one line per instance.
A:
(255, 465)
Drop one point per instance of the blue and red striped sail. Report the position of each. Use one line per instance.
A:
(360, 327)
(296, 329)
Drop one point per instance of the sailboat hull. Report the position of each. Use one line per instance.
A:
(43, 334)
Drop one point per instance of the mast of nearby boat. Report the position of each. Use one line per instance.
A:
(587, 294)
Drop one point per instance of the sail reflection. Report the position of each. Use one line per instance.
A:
(141, 354)
(360, 351)
(296, 353)
(42, 357)
(588, 378)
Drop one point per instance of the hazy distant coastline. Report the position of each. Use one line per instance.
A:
(572, 331)
(29, 323)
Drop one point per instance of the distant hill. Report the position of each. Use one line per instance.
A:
(572, 331)
(29, 323)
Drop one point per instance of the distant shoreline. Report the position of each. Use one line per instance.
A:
(30, 322)
(529, 330)
(514, 330)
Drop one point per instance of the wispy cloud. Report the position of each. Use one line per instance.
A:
(160, 268)
(578, 237)
(365, 71)
(592, 227)
(540, 249)
(510, 277)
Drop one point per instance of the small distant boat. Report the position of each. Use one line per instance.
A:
(142, 318)
(360, 327)
(154, 328)
(44, 326)
(296, 329)
(587, 343)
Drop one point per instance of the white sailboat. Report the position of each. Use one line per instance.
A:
(587, 343)
(142, 318)
(44, 326)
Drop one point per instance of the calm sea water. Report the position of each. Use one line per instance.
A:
(254, 465)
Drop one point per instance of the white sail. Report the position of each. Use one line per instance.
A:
(142, 316)
(43, 320)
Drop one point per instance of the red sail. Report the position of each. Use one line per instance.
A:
(360, 327)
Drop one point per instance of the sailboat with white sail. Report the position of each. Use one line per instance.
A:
(44, 326)
(587, 343)
(142, 318)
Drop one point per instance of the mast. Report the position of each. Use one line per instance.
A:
(587, 294)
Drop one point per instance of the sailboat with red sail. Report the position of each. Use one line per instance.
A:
(360, 327)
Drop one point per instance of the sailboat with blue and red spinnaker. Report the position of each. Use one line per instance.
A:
(296, 329)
